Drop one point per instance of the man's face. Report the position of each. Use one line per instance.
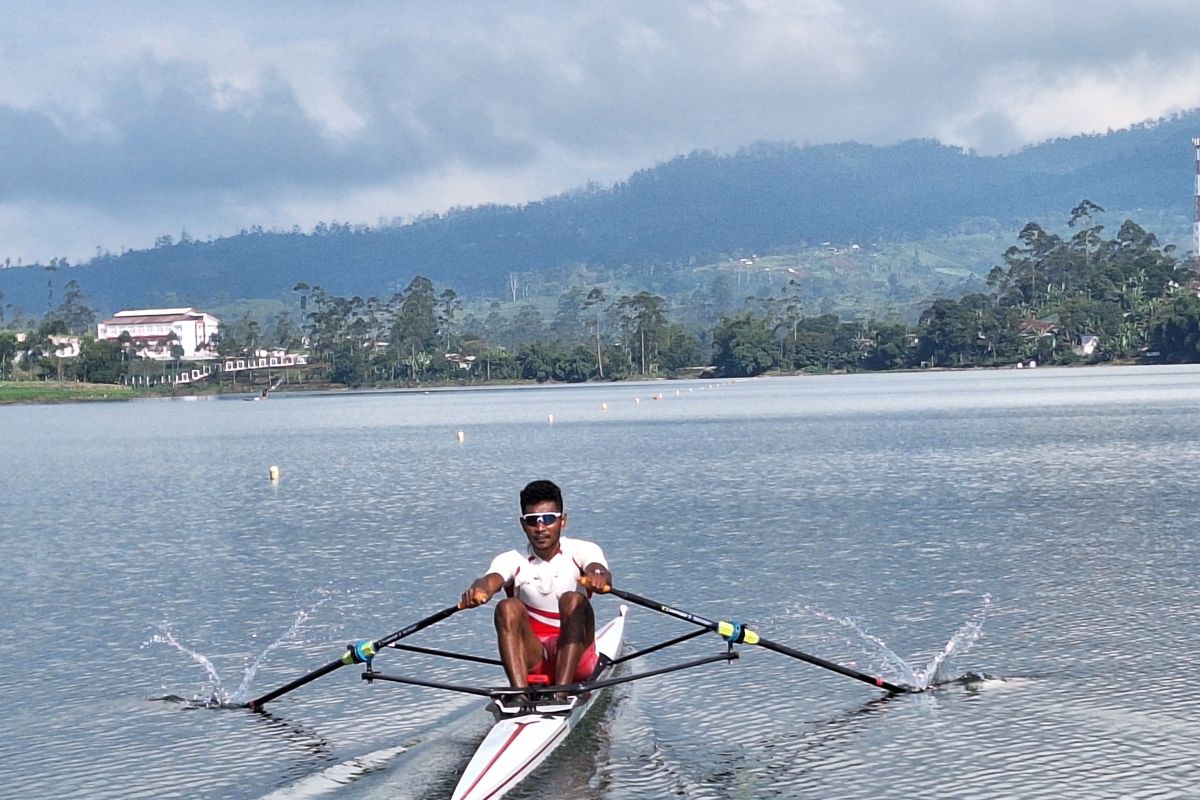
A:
(543, 525)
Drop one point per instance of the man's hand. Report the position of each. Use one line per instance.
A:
(478, 594)
(597, 578)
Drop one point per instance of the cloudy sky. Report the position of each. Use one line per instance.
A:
(148, 118)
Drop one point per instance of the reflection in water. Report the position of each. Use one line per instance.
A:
(316, 748)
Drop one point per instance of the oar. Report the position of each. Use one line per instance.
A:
(355, 654)
(736, 633)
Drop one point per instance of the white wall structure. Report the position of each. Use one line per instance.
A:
(151, 328)
(66, 346)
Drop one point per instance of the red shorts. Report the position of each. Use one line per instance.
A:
(549, 638)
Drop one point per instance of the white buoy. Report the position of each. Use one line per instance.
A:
(273, 473)
(637, 401)
(462, 437)
(604, 406)
(550, 418)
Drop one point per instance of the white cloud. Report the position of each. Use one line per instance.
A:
(135, 120)
(1031, 106)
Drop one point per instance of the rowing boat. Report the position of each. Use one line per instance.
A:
(526, 732)
(528, 729)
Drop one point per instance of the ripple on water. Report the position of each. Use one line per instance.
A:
(896, 501)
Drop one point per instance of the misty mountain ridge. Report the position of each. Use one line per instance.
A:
(695, 209)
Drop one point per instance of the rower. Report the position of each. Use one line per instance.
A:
(545, 625)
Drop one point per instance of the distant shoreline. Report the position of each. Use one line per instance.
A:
(48, 392)
(53, 392)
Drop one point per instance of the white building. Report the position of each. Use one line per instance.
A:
(152, 328)
(66, 346)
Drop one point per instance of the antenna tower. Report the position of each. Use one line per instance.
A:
(1196, 221)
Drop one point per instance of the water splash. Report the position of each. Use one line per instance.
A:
(302, 616)
(214, 694)
(889, 664)
(940, 670)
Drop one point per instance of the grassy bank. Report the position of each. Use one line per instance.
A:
(54, 392)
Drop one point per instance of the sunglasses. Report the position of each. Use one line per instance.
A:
(546, 518)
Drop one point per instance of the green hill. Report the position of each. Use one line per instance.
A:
(876, 230)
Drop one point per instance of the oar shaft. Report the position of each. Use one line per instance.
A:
(259, 702)
(753, 638)
(829, 665)
(665, 609)
(416, 626)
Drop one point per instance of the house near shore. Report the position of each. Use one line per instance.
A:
(154, 331)
(66, 346)
(1087, 345)
(1034, 328)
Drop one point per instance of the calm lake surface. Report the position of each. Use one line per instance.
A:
(1039, 524)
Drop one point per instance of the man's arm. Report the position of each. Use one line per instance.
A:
(481, 590)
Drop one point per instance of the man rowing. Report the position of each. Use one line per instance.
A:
(545, 625)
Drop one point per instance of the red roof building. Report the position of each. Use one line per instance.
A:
(154, 331)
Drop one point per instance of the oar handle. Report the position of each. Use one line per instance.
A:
(355, 654)
(736, 633)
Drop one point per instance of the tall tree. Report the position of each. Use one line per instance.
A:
(414, 329)
(743, 345)
(449, 304)
(8, 351)
(1175, 335)
(76, 316)
(285, 333)
(527, 326)
(643, 319)
(568, 323)
(1085, 240)
(596, 306)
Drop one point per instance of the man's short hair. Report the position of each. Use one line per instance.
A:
(538, 491)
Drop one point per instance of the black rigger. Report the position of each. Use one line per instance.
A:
(569, 688)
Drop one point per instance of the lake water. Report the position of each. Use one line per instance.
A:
(1039, 524)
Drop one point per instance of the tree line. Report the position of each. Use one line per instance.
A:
(420, 335)
(1054, 299)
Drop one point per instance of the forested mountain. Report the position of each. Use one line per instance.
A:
(694, 209)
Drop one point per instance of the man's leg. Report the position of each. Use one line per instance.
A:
(519, 648)
(577, 631)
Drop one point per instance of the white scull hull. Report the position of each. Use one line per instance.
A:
(519, 742)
